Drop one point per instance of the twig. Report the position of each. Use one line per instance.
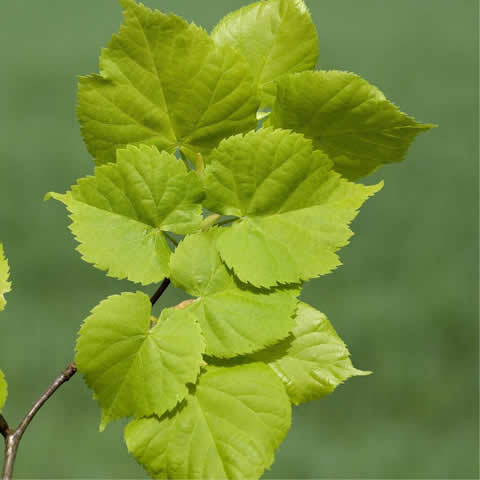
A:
(163, 286)
(13, 437)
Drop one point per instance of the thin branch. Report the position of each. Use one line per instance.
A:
(163, 286)
(13, 437)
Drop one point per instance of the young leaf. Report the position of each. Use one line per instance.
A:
(5, 284)
(275, 36)
(132, 368)
(234, 318)
(3, 391)
(164, 82)
(228, 428)
(314, 361)
(347, 118)
(120, 213)
(294, 209)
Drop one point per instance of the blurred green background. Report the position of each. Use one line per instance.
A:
(405, 301)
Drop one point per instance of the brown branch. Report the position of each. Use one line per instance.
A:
(13, 437)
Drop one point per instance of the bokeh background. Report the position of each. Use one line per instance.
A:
(405, 301)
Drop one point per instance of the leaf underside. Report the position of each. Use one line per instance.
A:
(313, 361)
(228, 427)
(133, 369)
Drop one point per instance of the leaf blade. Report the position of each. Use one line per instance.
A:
(163, 82)
(5, 284)
(314, 361)
(276, 37)
(234, 318)
(294, 210)
(119, 215)
(135, 370)
(347, 118)
(3, 391)
(228, 428)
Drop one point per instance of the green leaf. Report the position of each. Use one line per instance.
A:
(347, 118)
(228, 428)
(234, 317)
(164, 82)
(314, 361)
(3, 391)
(294, 209)
(5, 284)
(133, 368)
(276, 37)
(120, 213)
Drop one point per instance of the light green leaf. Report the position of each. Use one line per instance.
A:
(5, 284)
(275, 36)
(119, 214)
(234, 317)
(228, 428)
(313, 361)
(293, 209)
(347, 118)
(133, 368)
(3, 391)
(164, 82)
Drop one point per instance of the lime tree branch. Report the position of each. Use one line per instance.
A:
(13, 436)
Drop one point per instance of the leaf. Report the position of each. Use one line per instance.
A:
(234, 317)
(164, 82)
(119, 214)
(5, 284)
(314, 361)
(347, 118)
(276, 37)
(293, 209)
(3, 391)
(228, 428)
(132, 368)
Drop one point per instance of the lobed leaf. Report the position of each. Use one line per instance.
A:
(119, 215)
(164, 82)
(293, 209)
(235, 318)
(5, 284)
(275, 36)
(133, 368)
(3, 391)
(313, 361)
(228, 427)
(347, 118)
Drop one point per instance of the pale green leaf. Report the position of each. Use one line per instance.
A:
(275, 36)
(313, 361)
(3, 391)
(119, 214)
(164, 82)
(5, 284)
(132, 367)
(293, 209)
(234, 317)
(228, 428)
(347, 118)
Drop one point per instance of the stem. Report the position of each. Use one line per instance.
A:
(163, 286)
(13, 437)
